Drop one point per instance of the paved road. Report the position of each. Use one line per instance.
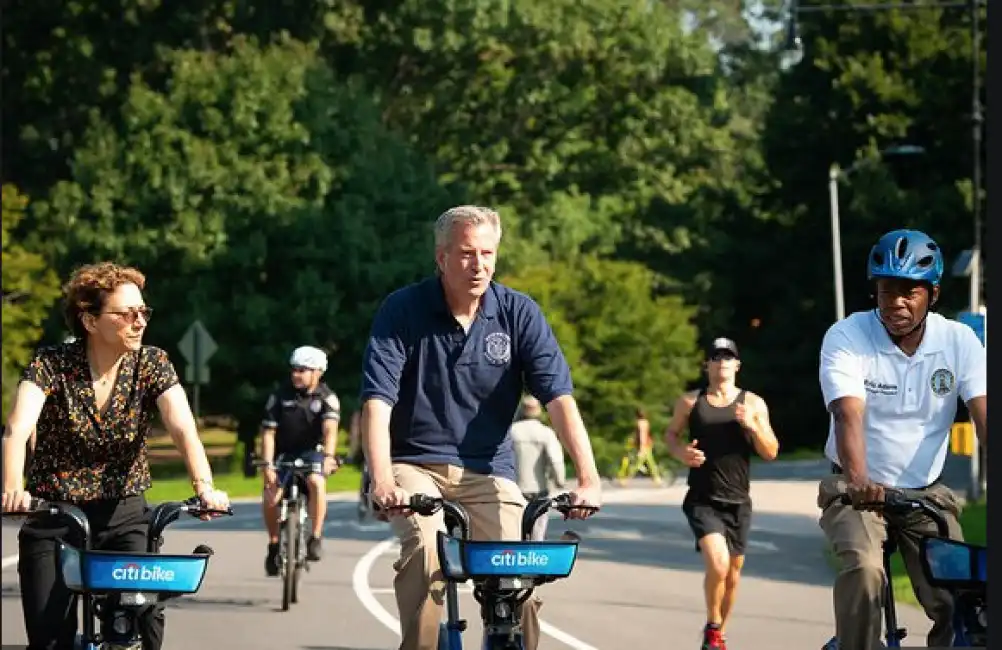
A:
(637, 584)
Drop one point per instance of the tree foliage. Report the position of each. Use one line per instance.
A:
(29, 290)
(275, 167)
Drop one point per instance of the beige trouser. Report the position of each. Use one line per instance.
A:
(856, 537)
(495, 507)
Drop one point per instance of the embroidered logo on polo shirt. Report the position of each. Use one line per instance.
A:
(942, 382)
(497, 348)
(316, 405)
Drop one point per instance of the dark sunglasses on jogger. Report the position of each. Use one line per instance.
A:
(117, 587)
(958, 567)
(504, 573)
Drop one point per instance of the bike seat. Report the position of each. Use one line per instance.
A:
(107, 572)
(517, 564)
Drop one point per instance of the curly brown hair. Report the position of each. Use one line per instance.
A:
(88, 288)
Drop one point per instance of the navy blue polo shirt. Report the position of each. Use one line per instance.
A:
(454, 393)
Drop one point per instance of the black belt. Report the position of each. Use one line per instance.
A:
(837, 469)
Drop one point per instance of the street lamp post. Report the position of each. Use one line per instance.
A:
(835, 174)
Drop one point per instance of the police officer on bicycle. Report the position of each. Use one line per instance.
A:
(301, 421)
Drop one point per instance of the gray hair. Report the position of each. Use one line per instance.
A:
(466, 215)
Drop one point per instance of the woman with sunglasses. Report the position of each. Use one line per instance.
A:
(86, 407)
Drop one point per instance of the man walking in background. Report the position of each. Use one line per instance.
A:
(539, 458)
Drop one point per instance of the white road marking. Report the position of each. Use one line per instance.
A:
(366, 595)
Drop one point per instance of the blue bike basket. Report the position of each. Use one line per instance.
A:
(949, 563)
(111, 571)
(461, 559)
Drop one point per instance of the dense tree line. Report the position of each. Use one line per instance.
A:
(275, 167)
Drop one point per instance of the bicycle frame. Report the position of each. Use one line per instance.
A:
(292, 552)
(896, 503)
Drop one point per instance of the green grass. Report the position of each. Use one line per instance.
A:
(211, 437)
(235, 484)
(805, 453)
(974, 521)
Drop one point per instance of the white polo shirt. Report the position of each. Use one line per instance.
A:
(911, 402)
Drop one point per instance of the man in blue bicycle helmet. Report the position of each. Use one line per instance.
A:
(891, 377)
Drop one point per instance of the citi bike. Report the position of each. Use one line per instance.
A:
(293, 518)
(504, 574)
(958, 567)
(117, 587)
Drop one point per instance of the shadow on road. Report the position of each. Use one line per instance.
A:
(786, 547)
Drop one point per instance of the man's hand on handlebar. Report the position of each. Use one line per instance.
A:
(16, 501)
(390, 499)
(865, 495)
(588, 498)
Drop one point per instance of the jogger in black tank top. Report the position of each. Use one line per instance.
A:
(726, 425)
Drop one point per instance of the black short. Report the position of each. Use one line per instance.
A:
(732, 520)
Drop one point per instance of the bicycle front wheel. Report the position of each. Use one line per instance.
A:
(291, 559)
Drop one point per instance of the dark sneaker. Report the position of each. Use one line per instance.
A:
(313, 549)
(271, 561)
(712, 639)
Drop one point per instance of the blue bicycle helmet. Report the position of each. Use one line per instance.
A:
(906, 254)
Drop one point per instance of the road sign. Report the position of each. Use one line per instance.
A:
(196, 345)
(189, 374)
(976, 322)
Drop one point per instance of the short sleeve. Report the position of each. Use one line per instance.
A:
(547, 375)
(159, 372)
(331, 408)
(841, 367)
(385, 353)
(972, 358)
(40, 371)
(270, 419)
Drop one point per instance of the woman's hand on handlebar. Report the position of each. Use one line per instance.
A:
(16, 501)
(585, 502)
(213, 499)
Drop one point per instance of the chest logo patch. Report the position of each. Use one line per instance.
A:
(315, 406)
(497, 348)
(942, 382)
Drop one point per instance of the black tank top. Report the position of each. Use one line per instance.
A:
(725, 474)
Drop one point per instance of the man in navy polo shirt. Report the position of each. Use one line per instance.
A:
(446, 365)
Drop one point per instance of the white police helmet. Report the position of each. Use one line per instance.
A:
(310, 357)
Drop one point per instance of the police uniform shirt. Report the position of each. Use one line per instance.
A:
(298, 418)
(455, 393)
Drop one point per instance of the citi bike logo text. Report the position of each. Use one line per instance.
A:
(134, 571)
(519, 559)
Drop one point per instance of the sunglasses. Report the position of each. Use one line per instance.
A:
(130, 315)
(722, 356)
(300, 369)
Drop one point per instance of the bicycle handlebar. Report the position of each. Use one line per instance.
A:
(426, 505)
(898, 503)
(162, 515)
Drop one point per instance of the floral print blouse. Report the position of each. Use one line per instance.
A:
(80, 454)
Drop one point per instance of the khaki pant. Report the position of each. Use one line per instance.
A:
(495, 507)
(856, 538)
